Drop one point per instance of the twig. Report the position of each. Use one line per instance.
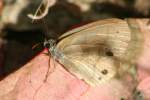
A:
(48, 4)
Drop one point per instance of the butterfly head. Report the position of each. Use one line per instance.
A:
(50, 44)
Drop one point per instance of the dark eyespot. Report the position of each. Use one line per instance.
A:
(104, 71)
(109, 53)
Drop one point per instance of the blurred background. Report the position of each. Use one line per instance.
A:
(19, 33)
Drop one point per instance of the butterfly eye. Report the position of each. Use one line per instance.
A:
(104, 71)
(109, 53)
(47, 45)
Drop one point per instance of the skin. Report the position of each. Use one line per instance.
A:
(31, 83)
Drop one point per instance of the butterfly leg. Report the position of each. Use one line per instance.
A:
(50, 67)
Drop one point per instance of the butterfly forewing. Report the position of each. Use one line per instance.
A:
(106, 33)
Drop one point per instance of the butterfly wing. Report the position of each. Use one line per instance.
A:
(85, 49)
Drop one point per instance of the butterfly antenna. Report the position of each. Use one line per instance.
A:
(40, 15)
(46, 29)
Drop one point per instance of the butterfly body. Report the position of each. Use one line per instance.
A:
(99, 51)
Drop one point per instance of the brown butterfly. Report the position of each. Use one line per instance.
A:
(99, 51)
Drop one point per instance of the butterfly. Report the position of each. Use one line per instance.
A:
(99, 51)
